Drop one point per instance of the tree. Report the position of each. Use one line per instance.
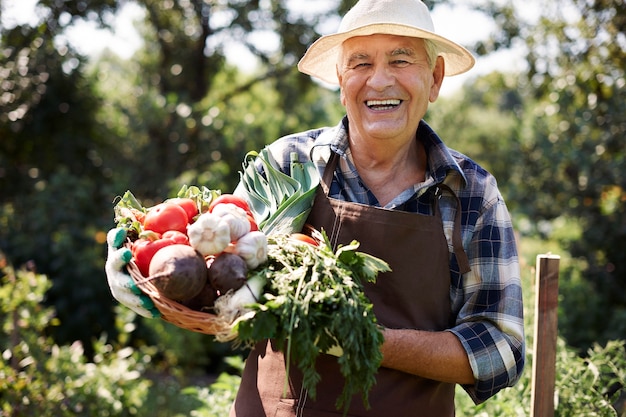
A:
(483, 121)
(571, 149)
(574, 151)
(553, 136)
(185, 79)
(52, 179)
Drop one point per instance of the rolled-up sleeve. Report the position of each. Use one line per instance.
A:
(490, 322)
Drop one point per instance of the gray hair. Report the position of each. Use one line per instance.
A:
(432, 52)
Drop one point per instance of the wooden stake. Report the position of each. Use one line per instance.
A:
(544, 357)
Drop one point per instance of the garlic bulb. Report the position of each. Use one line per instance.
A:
(252, 247)
(236, 218)
(209, 234)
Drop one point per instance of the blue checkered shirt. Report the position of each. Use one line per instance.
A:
(487, 301)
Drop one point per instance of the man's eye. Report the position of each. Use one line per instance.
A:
(362, 65)
(400, 62)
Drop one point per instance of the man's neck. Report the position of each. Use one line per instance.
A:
(388, 171)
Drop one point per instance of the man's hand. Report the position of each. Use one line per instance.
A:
(121, 284)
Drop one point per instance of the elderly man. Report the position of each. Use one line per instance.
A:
(452, 305)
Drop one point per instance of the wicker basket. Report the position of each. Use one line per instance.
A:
(176, 313)
(184, 317)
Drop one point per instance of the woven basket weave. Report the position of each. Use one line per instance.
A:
(184, 317)
(176, 313)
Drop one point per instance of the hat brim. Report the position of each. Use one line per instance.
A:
(320, 59)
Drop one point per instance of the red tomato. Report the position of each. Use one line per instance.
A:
(178, 237)
(304, 238)
(143, 250)
(253, 225)
(164, 217)
(230, 198)
(188, 205)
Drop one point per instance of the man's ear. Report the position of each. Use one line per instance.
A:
(438, 74)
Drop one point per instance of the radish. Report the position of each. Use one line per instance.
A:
(234, 304)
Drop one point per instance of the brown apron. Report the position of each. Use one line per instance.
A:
(415, 295)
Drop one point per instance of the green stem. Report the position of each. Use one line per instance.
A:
(291, 324)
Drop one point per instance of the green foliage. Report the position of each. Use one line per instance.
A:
(553, 137)
(52, 179)
(190, 116)
(46, 226)
(572, 147)
(216, 400)
(41, 378)
(489, 111)
(314, 301)
(184, 353)
(593, 384)
(589, 386)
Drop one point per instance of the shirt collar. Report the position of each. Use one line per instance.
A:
(441, 162)
(440, 159)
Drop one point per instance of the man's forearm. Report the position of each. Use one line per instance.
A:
(433, 355)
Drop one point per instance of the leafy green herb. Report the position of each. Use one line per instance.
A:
(203, 196)
(314, 300)
(129, 212)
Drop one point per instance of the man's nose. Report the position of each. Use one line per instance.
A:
(381, 77)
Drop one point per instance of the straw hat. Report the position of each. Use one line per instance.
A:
(391, 17)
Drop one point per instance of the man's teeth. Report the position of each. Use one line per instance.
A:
(382, 104)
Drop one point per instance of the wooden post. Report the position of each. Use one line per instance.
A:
(544, 351)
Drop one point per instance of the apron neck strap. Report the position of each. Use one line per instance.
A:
(329, 171)
(457, 241)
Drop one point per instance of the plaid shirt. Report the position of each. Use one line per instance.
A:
(487, 301)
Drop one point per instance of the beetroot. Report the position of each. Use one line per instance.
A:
(204, 301)
(227, 272)
(178, 271)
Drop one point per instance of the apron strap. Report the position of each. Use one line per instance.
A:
(329, 172)
(457, 241)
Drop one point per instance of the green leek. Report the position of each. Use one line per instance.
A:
(280, 202)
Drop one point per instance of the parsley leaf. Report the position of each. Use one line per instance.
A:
(314, 300)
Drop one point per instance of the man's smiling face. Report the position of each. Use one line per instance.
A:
(386, 84)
